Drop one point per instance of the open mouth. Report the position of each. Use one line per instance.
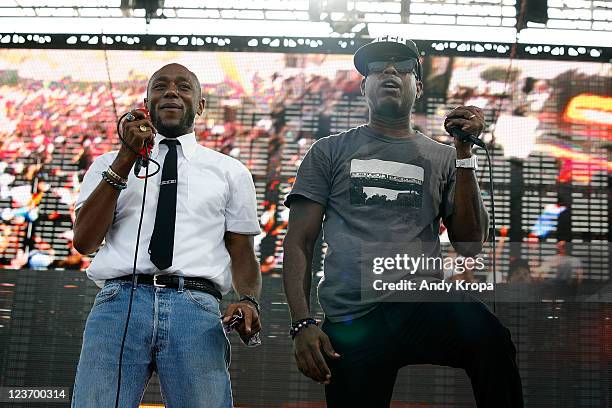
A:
(390, 84)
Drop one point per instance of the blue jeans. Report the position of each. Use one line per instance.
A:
(177, 333)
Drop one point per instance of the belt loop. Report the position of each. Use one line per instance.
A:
(181, 284)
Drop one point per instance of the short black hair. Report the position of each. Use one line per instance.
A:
(194, 77)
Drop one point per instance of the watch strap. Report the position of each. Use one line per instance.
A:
(468, 163)
(251, 299)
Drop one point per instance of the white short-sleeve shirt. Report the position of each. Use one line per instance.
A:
(215, 194)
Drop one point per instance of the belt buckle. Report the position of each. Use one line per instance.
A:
(157, 285)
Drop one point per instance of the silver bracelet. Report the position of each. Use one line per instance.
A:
(113, 183)
(114, 175)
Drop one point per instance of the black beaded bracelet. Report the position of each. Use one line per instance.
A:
(300, 324)
(113, 183)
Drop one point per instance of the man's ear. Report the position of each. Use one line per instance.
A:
(419, 89)
(201, 107)
(146, 104)
(362, 86)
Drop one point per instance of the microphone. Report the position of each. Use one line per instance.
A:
(143, 159)
(140, 162)
(462, 135)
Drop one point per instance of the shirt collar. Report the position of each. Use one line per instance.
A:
(188, 144)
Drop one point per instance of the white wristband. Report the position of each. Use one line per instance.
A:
(469, 163)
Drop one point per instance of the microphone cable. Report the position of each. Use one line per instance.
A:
(493, 227)
(144, 196)
(466, 137)
(141, 155)
(119, 119)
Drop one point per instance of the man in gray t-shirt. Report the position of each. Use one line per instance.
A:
(380, 193)
(380, 190)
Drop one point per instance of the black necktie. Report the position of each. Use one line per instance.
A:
(162, 240)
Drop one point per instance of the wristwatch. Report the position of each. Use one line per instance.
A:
(469, 163)
(250, 299)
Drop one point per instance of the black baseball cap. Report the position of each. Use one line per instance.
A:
(385, 47)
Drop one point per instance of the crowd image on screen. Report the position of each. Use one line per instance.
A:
(52, 129)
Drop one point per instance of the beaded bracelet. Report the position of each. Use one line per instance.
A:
(114, 184)
(110, 172)
(300, 324)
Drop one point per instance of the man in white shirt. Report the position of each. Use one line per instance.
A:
(198, 223)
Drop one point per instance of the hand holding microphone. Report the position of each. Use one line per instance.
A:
(244, 318)
(465, 124)
(138, 137)
(234, 323)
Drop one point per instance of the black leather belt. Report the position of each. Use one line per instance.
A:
(172, 281)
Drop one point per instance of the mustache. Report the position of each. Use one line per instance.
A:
(187, 120)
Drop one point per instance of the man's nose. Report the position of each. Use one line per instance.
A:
(171, 90)
(390, 69)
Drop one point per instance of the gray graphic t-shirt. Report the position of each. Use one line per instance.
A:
(380, 193)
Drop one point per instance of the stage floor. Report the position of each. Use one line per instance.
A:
(564, 349)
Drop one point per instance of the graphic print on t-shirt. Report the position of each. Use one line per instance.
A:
(386, 183)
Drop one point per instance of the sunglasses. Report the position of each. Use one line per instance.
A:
(403, 67)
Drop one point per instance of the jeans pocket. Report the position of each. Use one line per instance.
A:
(205, 301)
(107, 293)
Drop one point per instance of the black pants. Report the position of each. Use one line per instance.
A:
(459, 334)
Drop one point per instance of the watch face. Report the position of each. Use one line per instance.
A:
(470, 163)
